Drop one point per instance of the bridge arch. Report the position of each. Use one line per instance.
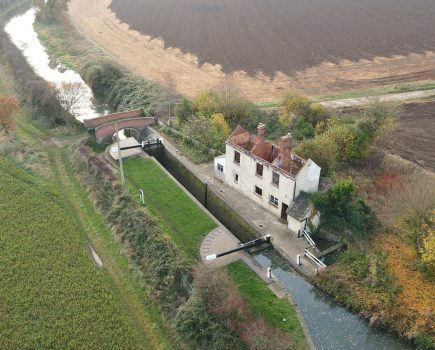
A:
(102, 128)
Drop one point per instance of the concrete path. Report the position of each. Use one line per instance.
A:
(360, 101)
(218, 241)
(264, 222)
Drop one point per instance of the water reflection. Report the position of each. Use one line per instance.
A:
(330, 325)
(20, 29)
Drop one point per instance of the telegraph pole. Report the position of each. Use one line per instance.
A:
(119, 156)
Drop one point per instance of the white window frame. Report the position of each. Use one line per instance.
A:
(273, 200)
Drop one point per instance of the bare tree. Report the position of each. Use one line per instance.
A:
(166, 97)
(70, 95)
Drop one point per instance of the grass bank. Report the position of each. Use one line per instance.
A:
(180, 217)
(386, 90)
(263, 302)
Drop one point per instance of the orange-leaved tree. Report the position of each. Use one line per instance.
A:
(8, 106)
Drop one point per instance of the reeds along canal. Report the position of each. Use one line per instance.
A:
(330, 325)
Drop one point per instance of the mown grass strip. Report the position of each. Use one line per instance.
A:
(181, 217)
(128, 282)
(263, 302)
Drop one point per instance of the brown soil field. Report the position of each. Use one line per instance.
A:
(414, 135)
(316, 47)
(283, 35)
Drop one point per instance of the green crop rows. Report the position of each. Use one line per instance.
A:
(52, 295)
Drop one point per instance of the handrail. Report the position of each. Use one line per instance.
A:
(313, 258)
(309, 239)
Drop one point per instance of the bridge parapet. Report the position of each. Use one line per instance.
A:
(103, 128)
(114, 117)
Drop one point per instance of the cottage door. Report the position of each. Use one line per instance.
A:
(284, 209)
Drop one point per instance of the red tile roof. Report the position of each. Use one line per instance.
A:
(279, 157)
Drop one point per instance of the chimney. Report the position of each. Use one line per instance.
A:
(261, 131)
(285, 143)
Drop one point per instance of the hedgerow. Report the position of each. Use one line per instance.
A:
(166, 271)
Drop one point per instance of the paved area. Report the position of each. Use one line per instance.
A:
(264, 222)
(218, 241)
(128, 142)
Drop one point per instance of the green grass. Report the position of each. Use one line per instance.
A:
(53, 295)
(182, 219)
(386, 90)
(406, 87)
(263, 302)
(97, 148)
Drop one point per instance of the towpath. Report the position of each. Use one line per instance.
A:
(263, 222)
(361, 101)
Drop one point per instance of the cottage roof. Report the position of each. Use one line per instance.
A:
(279, 157)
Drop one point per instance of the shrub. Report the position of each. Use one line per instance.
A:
(183, 110)
(202, 329)
(302, 129)
(339, 206)
(293, 105)
(101, 77)
(322, 150)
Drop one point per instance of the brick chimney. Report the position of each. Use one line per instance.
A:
(261, 132)
(285, 143)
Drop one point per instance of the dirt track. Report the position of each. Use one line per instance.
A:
(414, 134)
(149, 58)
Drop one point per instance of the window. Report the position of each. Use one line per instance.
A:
(273, 200)
(258, 191)
(220, 168)
(236, 178)
(236, 157)
(275, 178)
(259, 169)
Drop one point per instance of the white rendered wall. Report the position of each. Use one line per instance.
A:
(248, 180)
(308, 178)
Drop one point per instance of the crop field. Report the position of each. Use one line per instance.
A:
(179, 215)
(317, 47)
(53, 296)
(284, 35)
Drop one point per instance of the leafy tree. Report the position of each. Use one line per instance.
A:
(339, 206)
(101, 77)
(322, 150)
(302, 129)
(220, 130)
(183, 110)
(232, 103)
(293, 105)
(196, 131)
(204, 103)
(8, 107)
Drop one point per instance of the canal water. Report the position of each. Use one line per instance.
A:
(20, 30)
(330, 326)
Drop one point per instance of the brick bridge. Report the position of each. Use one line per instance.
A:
(103, 128)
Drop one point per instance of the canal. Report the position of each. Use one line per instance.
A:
(330, 325)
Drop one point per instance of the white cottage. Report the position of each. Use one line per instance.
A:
(270, 175)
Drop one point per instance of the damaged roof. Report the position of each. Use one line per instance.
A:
(280, 157)
(300, 207)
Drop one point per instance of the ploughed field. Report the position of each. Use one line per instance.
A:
(414, 135)
(284, 35)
